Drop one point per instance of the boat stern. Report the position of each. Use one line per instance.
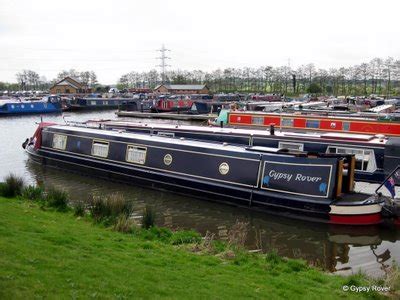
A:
(364, 212)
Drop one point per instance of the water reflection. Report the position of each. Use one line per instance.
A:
(334, 248)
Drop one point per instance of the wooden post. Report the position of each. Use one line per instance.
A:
(339, 179)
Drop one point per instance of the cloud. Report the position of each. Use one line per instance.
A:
(115, 37)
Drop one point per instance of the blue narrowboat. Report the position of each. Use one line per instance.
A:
(48, 104)
(301, 184)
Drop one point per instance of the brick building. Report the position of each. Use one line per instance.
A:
(69, 85)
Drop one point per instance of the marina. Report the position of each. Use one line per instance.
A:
(148, 154)
(337, 249)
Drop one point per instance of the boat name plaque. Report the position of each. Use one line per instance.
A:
(295, 178)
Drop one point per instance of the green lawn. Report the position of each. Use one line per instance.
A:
(44, 253)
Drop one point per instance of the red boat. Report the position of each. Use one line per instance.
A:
(171, 103)
(350, 124)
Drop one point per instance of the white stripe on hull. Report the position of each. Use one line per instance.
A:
(355, 210)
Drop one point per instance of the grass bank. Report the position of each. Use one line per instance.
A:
(48, 253)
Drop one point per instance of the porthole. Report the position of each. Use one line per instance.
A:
(168, 159)
(223, 168)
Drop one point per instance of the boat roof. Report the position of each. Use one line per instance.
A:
(162, 139)
(366, 138)
(299, 114)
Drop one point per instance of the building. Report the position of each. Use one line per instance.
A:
(182, 89)
(69, 85)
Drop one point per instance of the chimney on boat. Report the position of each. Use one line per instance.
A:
(272, 129)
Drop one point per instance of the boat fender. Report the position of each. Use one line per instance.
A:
(25, 143)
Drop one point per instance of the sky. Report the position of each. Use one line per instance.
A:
(115, 37)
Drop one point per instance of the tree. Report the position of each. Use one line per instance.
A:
(314, 88)
(28, 79)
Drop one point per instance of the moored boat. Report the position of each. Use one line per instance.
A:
(100, 103)
(301, 184)
(48, 104)
(166, 103)
(312, 122)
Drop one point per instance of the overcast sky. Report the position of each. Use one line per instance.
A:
(115, 37)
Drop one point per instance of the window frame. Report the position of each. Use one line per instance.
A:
(135, 146)
(291, 143)
(259, 118)
(371, 163)
(65, 143)
(287, 119)
(100, 142)
(313, 120)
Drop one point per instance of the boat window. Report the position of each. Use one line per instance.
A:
(291, 146)
(166, 134)
(136, 154)
(257, 120)
(59, 141)
(312, 123)
(365, 158)
(346, 126)
(287, 122)
(93, 102)
(105, 102)
(100, 148)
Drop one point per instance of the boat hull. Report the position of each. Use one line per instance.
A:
(21, 108)
(245, 178)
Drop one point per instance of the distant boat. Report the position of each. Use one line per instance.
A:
(48, 104)
(166, 103)
(386, 124)
(96, 103)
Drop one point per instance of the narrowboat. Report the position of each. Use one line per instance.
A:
(48, 104)
(207, 107)
(166, 103)
(316, 187)
(78, 103)
(142, 105)
(314, 122)
(267, 97)
(376, 156)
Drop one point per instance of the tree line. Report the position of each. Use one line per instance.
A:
(379, 76)
(31, 80)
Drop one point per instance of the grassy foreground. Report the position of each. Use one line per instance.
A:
(46, 253)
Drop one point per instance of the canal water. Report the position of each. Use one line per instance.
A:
(339, 249)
